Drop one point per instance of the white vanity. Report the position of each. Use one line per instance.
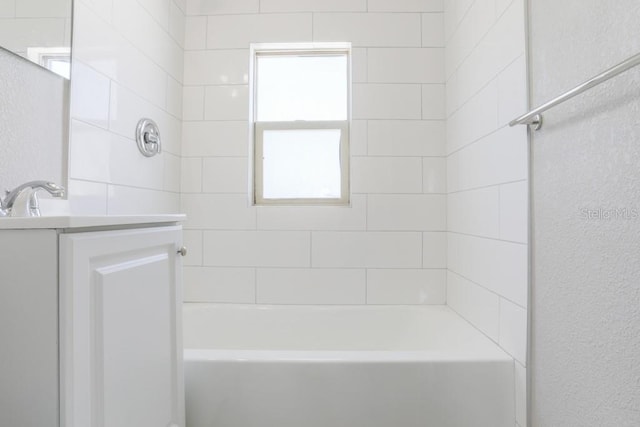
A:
(90, 322)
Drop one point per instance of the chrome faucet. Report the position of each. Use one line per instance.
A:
(7, 205)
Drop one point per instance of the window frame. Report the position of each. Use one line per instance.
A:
(257, 128)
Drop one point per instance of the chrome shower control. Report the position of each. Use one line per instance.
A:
(148, 137)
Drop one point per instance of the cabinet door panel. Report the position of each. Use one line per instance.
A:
(121, 328)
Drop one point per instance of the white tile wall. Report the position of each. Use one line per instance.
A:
(310, 286)
(121, 74)
(397, 216)
(257, 248)
(487, 172)
(406, 286)
(366, 250)
(228, 285)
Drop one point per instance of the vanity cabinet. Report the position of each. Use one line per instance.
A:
(93, 328)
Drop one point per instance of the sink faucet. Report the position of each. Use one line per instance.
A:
(7, 205)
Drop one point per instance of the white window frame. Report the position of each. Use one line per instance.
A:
(258, 128)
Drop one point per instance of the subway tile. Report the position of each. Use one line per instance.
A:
(158, 9)
(238, 31)
(433, 102)
(40, 9)
(386, 101)
(216, 67)
(406, 212)
(386, 175)
(476, 19)
(310, 286)
(172, 172)
(7, 8)
(434, 250)
(149, 35)
(405, 5)
(257, 248)
(352, 217)
(87, 198)
(476, 304)
(225, 175)
(432, 30)
(90, 92)
(127, 108)
(16, 34)
(174, 97)
(124, 200)
(434, 175)
(270, 6)
(193, 103)
(359, 65)
(215, 7)
(475, 212)
(191, 175)
(513, 330)
(226, 102)
(500, 157)
(514, 211)
(400, 286)
(176, 23)
(503, 44)
(192, 240)
(405, 65)
(182, 5)
(221, 285)
(512, 91)
(358, 141)
(102, 8)
(368, 29)
(476, 119)
(366, 249)
(99, 155)
(406, 138)
(218, 211)
(89, 150)
(102, 48)
(195, 35)
(496, 265)
(225, 138)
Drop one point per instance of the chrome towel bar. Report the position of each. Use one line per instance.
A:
(534, 119)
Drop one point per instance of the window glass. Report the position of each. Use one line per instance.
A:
(301, 163)
(301, 87)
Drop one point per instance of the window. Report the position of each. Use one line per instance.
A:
(300, 117)
(56, 59)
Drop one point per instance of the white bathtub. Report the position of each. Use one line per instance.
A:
(305, 366)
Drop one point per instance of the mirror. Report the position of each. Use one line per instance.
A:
(38, 30)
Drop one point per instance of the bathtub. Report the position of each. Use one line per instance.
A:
(371, 366)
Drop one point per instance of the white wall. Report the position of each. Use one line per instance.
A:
(586, 289)
(487, 164)
(387, 248)
(127, 64)
(33, 123)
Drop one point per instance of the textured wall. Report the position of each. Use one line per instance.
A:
(127, 64)
(33, 123)
(389, 247)
(487, 174)
(586, 291)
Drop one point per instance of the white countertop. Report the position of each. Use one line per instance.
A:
(70, 222)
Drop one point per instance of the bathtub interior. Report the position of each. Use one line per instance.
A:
(434, 328)
(312, 366)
